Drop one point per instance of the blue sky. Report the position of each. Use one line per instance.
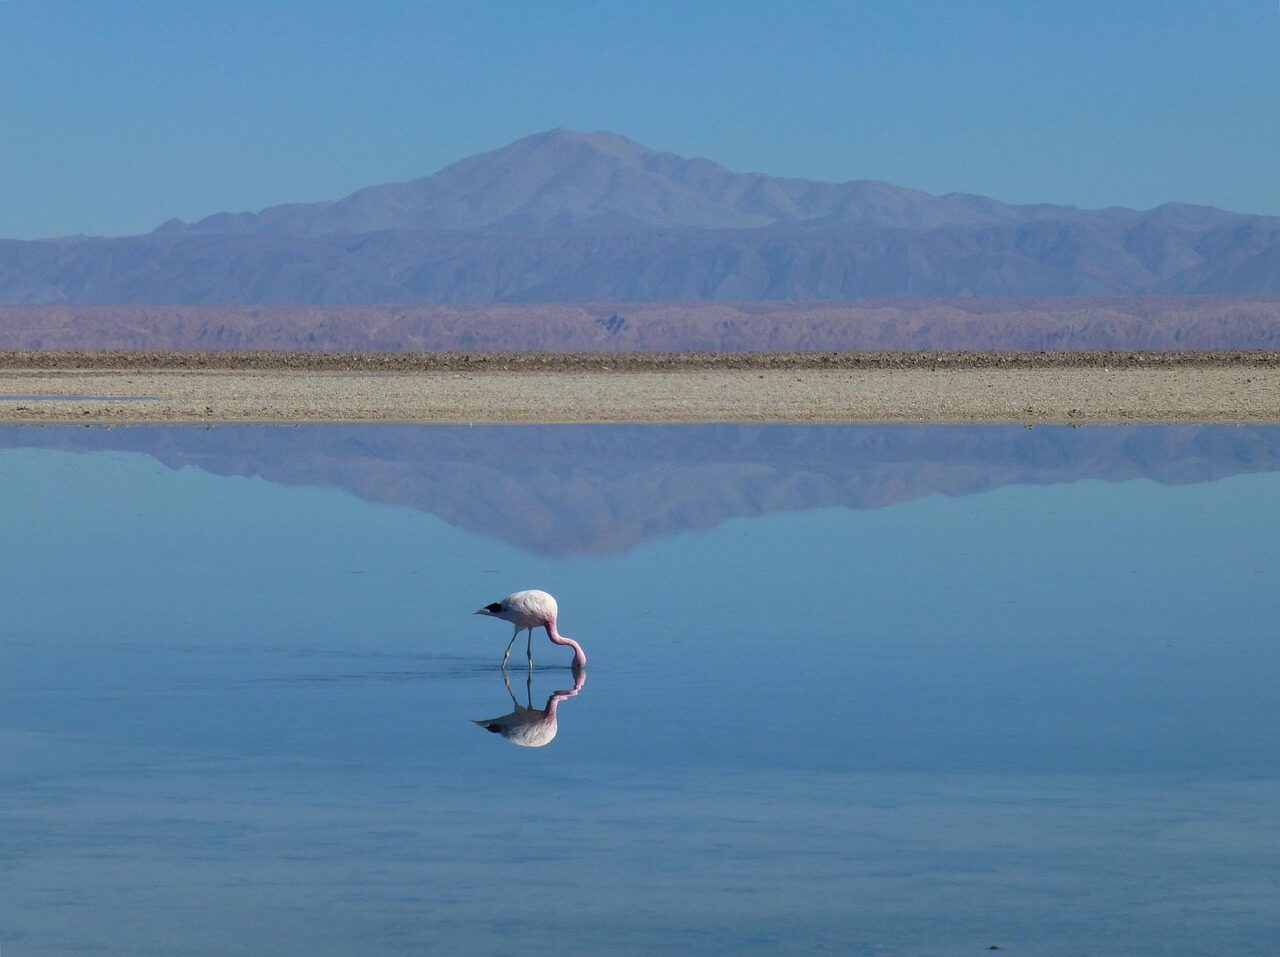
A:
(120, 114)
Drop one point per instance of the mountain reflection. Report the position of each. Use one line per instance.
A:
(526, 726)
(598, 490)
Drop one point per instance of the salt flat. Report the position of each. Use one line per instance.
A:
(826, 387)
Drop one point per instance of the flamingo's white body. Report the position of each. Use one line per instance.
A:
(528, 610)
(525, 727)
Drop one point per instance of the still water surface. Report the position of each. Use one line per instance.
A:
(828, 709)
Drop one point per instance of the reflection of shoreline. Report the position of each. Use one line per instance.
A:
(593, 490)
(530, 727)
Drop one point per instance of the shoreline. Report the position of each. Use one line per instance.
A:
(1030, 388)
(265, 360)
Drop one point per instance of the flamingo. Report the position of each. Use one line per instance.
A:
(528, 610)
(528, 727)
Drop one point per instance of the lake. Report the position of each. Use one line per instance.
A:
(852, 690)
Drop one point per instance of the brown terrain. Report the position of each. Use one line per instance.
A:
(1076, 387)
(1129, 323)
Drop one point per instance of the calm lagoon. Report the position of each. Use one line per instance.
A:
(852, 690)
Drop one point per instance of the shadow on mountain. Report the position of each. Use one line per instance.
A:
(598, 490)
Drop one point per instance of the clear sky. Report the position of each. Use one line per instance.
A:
(116, 115)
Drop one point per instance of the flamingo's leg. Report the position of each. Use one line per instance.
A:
(528, 649)
(507, 655)
(506, 680)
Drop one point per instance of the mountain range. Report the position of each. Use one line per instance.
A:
(586, 490)
(563, 216)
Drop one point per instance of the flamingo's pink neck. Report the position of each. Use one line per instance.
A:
(579, 659)
(580, 678)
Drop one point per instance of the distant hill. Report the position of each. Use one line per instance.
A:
(587, 490)
(1141, 323)
(583, 217)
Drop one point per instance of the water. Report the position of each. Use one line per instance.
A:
(852, 690)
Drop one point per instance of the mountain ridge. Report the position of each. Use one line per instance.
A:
(714, 196)
(580, 217)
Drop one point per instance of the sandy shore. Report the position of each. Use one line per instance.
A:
(817, 387)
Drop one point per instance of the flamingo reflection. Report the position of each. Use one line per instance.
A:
(527, 726)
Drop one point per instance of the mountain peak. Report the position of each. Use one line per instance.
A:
(562, 179)
(598, 139)
(554, 179)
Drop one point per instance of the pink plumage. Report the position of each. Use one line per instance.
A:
(528, 610)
